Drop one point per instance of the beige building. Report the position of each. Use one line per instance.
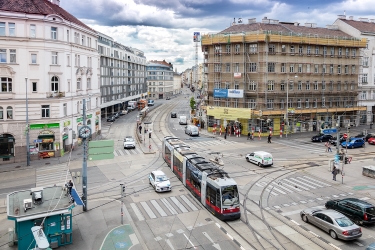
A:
(262, 66)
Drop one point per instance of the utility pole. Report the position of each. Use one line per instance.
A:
(84, 163)
(27, 128)
(122, 202)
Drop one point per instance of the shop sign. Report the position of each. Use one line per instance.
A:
(45, 126)
(230, 114)
(79, 119)
(49, 140)
(66, 123)
(46, 132)
(235, 93)
(38, 141)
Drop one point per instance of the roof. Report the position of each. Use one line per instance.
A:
(359, 202)
(39, 7)
(363, 26)
(164, 63)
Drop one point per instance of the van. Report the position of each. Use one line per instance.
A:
(150, 103)
(191, 130)
(260, 158)
(182, 120)
(132, 105)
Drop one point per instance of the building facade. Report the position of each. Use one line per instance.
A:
(177, 85)
(283, 73)
(159, 79)
(122, 75)
(363, 28)
(48, 65)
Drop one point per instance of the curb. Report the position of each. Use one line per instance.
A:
(230, 236)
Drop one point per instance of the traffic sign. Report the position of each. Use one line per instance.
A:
(329, 131)
(345, 136)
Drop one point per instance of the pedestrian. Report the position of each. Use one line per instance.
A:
(140, 129)
(70, 186)
(248, 136)
(334, 173)
(225, 135)
(269, 138)
(326, 145)
(329, 147)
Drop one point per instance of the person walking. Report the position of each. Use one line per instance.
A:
(269, 138)
(70, 186)
(248, 136)
(140, 129)
(334, 173)
(326, 145)
(329, 147)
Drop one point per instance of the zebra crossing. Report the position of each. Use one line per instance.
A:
(291, 185)
(121, 152)
(203, 144)
(152, 209)
(315, 148)
(52, 175)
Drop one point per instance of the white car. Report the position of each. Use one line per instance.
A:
(260, 158)
(159, 181)
(129, 142)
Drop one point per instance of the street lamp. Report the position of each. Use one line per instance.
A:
(287, 106)
(27, 128)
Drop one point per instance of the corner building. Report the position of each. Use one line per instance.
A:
(270, 63)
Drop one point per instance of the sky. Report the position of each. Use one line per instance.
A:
(164, 29)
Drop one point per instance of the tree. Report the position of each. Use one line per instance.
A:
(192, 103)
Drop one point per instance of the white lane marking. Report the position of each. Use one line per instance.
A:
(139, 151)
(121, 152)
(322, 183)
(298, 211)
(267, 189)
(191, 243)
(148, 210)
(364, 198)
(276, 189)
(189, 203)
(313, 233)
(169, 206)
(303, 183)
(281, 186)
(357, 243)
(179, 205)
(127, 151)
(334, 246)
(295, 185)
(169, 244)
(115, 152)
(137, 212)
(158, 208)
(295, 222)
(310, 182)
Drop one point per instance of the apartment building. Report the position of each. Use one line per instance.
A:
(266, 75)
(122, 75)
(159, 79)
(177, 85)
(363, 28)
(48, 65)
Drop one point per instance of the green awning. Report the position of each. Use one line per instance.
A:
(46, 136)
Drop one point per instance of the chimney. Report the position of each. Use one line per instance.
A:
(57, 2)
(296, 23)
(342, 17)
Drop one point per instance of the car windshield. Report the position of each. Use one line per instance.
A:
(161, 178)
(344, 222)
(129, 139)
(230, 195)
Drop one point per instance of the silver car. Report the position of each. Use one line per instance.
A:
(129, 142)
(333, 222)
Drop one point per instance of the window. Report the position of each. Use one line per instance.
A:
(354, 52)
(347, 52)
(291, 68)
(2, 28)
(227, 48)
(346, 69)
(324, 51)
(253, 48)
(32, 30)
(68, 60)
(346, 85)
(269, 103)
(1, 113)
(309, 50)
(6, 84)
(54, 84)
(338, 85)
(331, 68)
(300, 49)
(282, 70)
(236, 67)
(78, 60)
(271, 67)
(45, 111)
(217, 101)
(338, 69)
(236, 85)
(331, 85)
(227, 67)
(364, 78)
(12, 56)
(291, 85)
(282, 104)
(308, 68)
(227, 85)
(332, 51)
(33, 59)
(79, 85)
(88, 83)
(237, 48)
(300, 68)
(299, 86)
(252, 86)
(65, 109)
(83, 39)
(271, 48)
(282, 86)
(307, 85)
(307, 103)
(12, 29)
(323, 85)
(3, 55)
(34, 87)
(9, 112)
(292, 49)
(316, 87)
(323, 101)
(271, 85)
(253, 67)
(324, 69)
(340, 52)
(299, 103)
(315, 102)
(353, 69)
(316, 50)
(283, 48)
(67, 36)
(76, 37)
(316, 68)
(53, 33)
(365, 61)
(251, 103)
(227, 103)
(54, 58)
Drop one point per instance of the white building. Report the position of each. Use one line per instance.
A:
(363, 28)
(176, 82)
(49, 57)
(159, 79)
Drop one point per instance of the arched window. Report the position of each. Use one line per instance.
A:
(1, 113)
(9, 112)
(54, 84)
(6, 84)
(79, 83)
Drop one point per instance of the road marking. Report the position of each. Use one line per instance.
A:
(296, 188)
(179, 205)
(296, 184)
(276, 189)
(121, 152)
(364, 198)
(137, 212)
(158, 208)
(139, 151)
(295, 222)
(215, 245)
(267, 189)
(303, 183)
(148, 210)
(281, 186)
(322, 183)
(298, 211)
(169, 206)
(310, 182)
(190, 241)
(189, 203)
(314, 234)
(357, 243)
(115, 152)
(169, 244)
(127, 151)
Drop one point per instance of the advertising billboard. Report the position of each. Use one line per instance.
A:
(197, 37)
(220, 93)
(235, 93)
(229, 113)
(237, 75)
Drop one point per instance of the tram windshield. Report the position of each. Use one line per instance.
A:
(230, 195)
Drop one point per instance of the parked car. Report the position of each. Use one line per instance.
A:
(369, 135)
(361, 212)
(123, 112)
(332, 222)
(111, 119)
(168, 98)
(129, 142)
(159, 181)
(333, 141)
(260, 158)
(361, 135)
(321, 137)
(192, 130)
(182, 120)
(353, 143)
(173, 115)
(371, 140)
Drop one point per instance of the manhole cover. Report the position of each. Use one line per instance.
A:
(47, 163)
(17, 166)
(136, 195)
(208, 219)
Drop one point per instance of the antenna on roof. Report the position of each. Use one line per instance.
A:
(344, 12)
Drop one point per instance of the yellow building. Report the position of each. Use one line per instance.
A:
(271, 63)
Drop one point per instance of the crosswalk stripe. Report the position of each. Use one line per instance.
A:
(178, 204)
(276, 189)
(169, 206)
(148, 210)
(286, 184)
(158, 208)
(295, 184)
(310, 182)
(262, 184)
(115, 152)
(121, 152)
(127, 151)
(322, 183)
(137, 212)
(281, 186)
(187, 201)
(303, 183)
(139, 151)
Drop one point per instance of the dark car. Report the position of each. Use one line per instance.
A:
(111, 119)
(369, 135)
(361, 135)
(321, 137)
(361, 212)
(173, 115)
(168, 98)
(333, 141)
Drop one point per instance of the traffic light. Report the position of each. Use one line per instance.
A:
(149, 135)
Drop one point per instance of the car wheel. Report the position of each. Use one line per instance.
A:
(304, 218)
(321, 140)
(333, 234)
(259, 165)
(352, 146)
(247, 159)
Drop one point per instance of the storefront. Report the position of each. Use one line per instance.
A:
(221, 117)
(6, 146)
(45, 145)
(65, 137)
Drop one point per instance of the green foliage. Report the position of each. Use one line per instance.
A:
(192, 103)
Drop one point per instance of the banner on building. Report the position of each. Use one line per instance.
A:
(197, 36)
(230, 114)
(237, 75)
(235, 93)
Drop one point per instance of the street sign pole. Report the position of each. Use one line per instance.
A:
(84, 162)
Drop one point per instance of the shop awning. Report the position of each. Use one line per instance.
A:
(46, 136)
(125, 99)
